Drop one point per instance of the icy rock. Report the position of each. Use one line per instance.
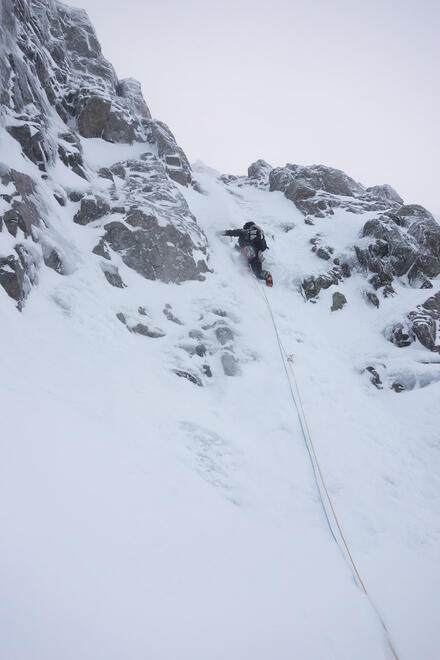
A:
(259, 172)
(105, 173)
(75, 196)
(153, 251)
(322, 251)
(339, 300)
(422, 323)
(195, 334)
(317, 190)
(53, 260)
(315, 283)
(12, 277)
(53, 60)
(302, 184)
(166, 147)
(425, 322)
(406, 242)
(24, 213)
(371, 298)
(70, 153)
(101, 250)
(189, 376)
(60, 199)
(399, 334)
(33, 144)
(159, 235)
(146, 331)
(130, 89)
(13, 221)
(93, 117)
(231, 366)
(375, 378)
(425, 231)
(424, 326)
(140, 328)
(18, 274)
(224, 334)
(120, 128)
(200, 350)
(113, 276)
(92, 208)
(385, 192)
(220, 312)
(167, 311)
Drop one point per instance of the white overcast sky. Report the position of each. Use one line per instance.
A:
(351, 84)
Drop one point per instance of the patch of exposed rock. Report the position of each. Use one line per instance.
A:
(156, 234)
(19, 270)
(339, 300)
(317, 190)
(423, 324)
(405, 242)
(139, 327)
(313, 284)
(50, 59)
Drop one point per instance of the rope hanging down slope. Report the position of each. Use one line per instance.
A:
(317, 473)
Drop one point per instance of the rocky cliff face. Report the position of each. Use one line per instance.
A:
(81, 150)
(58, 93)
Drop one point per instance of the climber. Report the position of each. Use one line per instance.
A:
(252, 243)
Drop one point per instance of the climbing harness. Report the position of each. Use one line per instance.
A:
(321, 485)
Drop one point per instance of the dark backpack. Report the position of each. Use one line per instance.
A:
(256, 238)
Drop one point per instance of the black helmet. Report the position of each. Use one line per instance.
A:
(248, 225)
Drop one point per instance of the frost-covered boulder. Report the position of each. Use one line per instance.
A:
(259, 171)
(313, 284)
(317, 190)
(423, 324)
(385, 192)
(23, 221)
(91, 208)
(313, 189)
(156, 234)
(406, 242)
(93, 117)
(178, 167)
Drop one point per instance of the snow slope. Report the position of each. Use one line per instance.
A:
(144, 516)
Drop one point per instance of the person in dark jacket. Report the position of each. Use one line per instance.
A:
(252, 244)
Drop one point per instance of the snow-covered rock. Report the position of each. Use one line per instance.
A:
(60, 98)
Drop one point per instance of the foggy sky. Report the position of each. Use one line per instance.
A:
(354, 85)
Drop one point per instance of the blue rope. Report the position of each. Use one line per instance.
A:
(299, 418)
(292, 394)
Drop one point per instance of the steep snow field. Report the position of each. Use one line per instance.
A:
(143, 516)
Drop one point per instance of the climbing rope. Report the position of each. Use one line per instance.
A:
(317, 472)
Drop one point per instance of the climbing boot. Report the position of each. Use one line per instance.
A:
(268, 278)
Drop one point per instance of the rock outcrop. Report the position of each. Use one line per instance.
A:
(150, 226)
(423, 324)
(317, 190)
(403, 243)
(50, 59)
(51, 64)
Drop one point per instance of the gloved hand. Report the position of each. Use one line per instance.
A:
(220, 233)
